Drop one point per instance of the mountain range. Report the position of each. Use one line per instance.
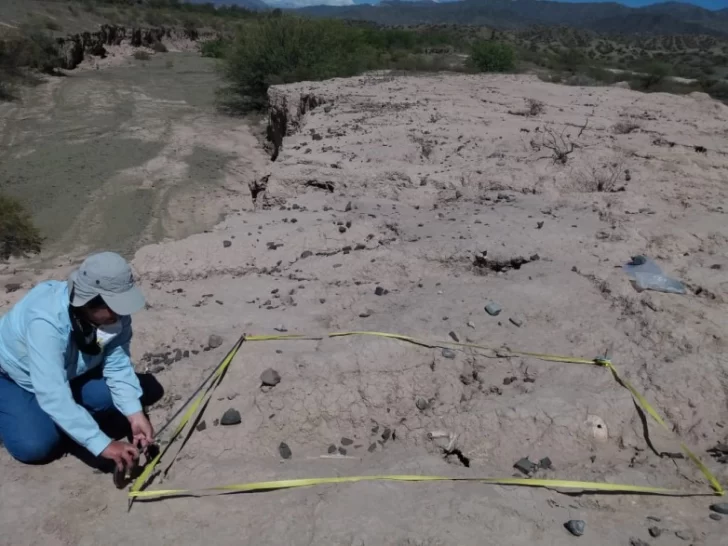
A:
(603, 17)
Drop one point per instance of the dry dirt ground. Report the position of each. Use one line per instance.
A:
(399, 183)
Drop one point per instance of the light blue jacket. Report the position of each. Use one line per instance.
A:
(37, 353)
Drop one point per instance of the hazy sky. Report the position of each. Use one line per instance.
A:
(710, 4)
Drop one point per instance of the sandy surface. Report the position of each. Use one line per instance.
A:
(118, 158)
(436, 171)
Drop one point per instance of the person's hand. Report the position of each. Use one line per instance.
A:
(122, 453)
(141, 429)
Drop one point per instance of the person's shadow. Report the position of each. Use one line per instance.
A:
(116, 426)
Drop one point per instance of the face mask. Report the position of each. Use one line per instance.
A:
(104, 334)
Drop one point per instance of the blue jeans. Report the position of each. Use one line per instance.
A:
(31, 436)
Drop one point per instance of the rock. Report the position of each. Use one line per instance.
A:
(638, 542)
(230, 417)
(471, 324)
(342, 451)
(332, 448)
(654, 531)
(342, 229)
(365, 314)
(386, 434)
(493, 309)
(227, 244)
(346, 441)
(509, 380)
(285, 451)
(201, 426)
(422, 404)
(715, 517)
(454, 336)
(281, 328)
(721, 508)
(379, 291)
(71, 54)
(539, 225)
(372, 447)
(448, 353)
(525, 465)
(545, 463)
(215, 422)
(575, 526)
(177, 355)
(270, 377)
(12, 287)
(684, 535)
(306, 254)
(214, 341)
(348, 207)
(516, 322)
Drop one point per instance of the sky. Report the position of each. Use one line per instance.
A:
(709, 4)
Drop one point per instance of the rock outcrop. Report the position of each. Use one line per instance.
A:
(75, 47)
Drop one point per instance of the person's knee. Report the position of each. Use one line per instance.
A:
(33, 448)
(152, 390)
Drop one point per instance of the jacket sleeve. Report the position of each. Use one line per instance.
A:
(48, 378)
(119, 373)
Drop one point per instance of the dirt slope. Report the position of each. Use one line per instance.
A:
(399, 183)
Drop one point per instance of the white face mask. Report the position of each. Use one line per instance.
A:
(104, 334)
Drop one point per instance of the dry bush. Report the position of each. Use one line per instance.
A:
(605, 176)
(625, 127)
(533, 108)
(18, 235)
(142, 55)
(159, 47)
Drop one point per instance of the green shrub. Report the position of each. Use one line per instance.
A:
(284, 49)
(141, 55)
(214, 48)
(159, 47)
(34, 49)
(489, 56)
(655, 74)
(18, 235)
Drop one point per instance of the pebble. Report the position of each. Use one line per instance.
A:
(516, 322)
(545, 463)
(684, 535)
(575, 526)
(448, 353)
(422, 404)
(306, 254)
(379, 291)
(721, 508)
(346, 441)
(372, 447)
(348, 207)
(493, 309)
(230, 417)
(342, 229)
(270, 377)
(715, 517)
(201, 426)
(284, 450)
(342, 451)
(332, 448)
(227, 244)
(386, 434)
(525, 465)
(638, 542)
(654, 531)
(471, 324)
(365, 314)
(215, 422)
(454, 336)
(214, 341)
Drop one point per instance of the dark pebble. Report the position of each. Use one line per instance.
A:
(332, 448)
(185, 354)
(342, 450)
(372, 447)
(306, 254)
(422, 404)
(227, 244)
(346, 441)
(386, 434)
(342, 229)
(348, 224)
(454, 336)
(379, 291)
(284, 450)
(508, 380)
(654, 531)
(448, 353)
(525, 465)
(214, 341)
(270, 378)
(575, 526)
(715, 517)
(216, 422)
(684, 535)
(201, 426)
(230, 417)
(721, 508)
(545, 463)
(638, 542)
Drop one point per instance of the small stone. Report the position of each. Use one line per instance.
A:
(493, 309)
(346, 441)
(177, 355)
(215, 422)
(332, 448)
(654, 531)
(322, 300)
(365, 314)
(386, 434)
(525, 465)
(284, 450)
(638, 542)
(715, 517)
(280, 328)
(342, 229)
(270, 377)
(575, 526)
(471, 324)
(227, 244)
(448, 353)
(422, 404)
(545, 463)
(684, 535)
(516, 322)
(348, 207)
(306, 254)
(230, 417)
(454, 336)
(214, 341)
(379, 291)
(654, 518)
(372, 447)
(201, 426)
(721, 508)
(342, 451)
(539, 225)
(185, 354)
(348, 224)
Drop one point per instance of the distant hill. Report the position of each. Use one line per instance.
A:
(604, 17)
(247, 4)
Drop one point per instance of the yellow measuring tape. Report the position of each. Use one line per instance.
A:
(197, 407)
